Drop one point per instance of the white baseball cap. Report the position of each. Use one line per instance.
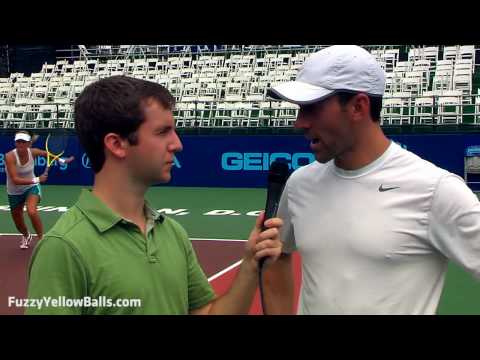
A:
(22, 136)
(336, 68)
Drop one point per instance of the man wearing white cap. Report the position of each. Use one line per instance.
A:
(23, 187)
(375, 224)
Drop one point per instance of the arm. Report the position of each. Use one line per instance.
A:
(68, 160)
(454, 223)
(278, 287)
(239, 297)
(237, 300)
(12, 172)
(39, 152)
(56, 270)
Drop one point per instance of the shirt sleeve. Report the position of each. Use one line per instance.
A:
(55, 272)
(454, 226)
(287, 234)
(200, 292)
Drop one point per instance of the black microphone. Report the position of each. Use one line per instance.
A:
(277, 177)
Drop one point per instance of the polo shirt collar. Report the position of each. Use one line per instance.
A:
(102, 216)
(151, 213)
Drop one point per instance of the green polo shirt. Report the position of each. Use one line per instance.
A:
(93, 255)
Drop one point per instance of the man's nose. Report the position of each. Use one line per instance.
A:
(301, 122)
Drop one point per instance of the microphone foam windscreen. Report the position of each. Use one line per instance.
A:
(278, 172)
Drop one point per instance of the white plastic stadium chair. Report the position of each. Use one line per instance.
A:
(395, 111)
(449, 109)
(477, 109)
(423, 110)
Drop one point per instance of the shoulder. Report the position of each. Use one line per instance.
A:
(10, 159)
(55, 252)
(52, 245)
(73, 227)
(452, 192)
(173, 225)
(177, 234)
(421, 180)
(75, 236)
(10, 154)
(407, 165)
(306, 173)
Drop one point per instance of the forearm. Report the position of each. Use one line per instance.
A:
(278, 298)
(23, 181)
(39, 152)
(262, 243)
(238, 299)
(278, 288)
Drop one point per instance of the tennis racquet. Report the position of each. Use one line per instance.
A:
(55, 145)
(34, 138)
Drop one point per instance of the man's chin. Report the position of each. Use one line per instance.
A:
(164, 179)
(322, 159)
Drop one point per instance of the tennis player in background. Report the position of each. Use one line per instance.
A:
(112, 244)
(23, 187)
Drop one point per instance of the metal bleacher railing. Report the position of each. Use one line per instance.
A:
(226, 86)
(80, 52)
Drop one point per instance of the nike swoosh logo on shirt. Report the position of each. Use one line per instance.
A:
(382, 189)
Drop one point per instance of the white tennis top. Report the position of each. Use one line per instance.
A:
(23, 171)
(377, 240)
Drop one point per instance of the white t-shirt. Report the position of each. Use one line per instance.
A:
(377, 240)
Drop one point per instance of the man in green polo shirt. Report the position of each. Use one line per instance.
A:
(111, 253)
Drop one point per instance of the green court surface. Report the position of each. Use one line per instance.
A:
(222, 213)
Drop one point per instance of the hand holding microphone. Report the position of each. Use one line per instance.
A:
(264, 242)
(277, 177)
(264, 245)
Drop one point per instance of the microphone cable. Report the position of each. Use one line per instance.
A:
(260, 285)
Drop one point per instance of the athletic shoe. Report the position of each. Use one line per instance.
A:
(26, 240)
(23, 244)
(29, 239)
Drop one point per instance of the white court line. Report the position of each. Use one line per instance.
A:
(12, 234)
(205, 239)
(210, 279)
(231, 267)
(199, 239)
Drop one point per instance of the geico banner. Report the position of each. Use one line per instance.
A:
(243, 161)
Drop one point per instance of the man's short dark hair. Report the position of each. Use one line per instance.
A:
(114, 105)
(375, 103)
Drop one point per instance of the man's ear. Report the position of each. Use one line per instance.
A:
(115, 145)
(360, 106)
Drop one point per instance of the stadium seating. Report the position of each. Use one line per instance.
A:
(226, 86)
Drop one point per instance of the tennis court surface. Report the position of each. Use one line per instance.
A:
(218, 221)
